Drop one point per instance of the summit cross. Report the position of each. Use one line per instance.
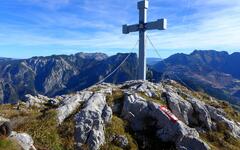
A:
(142, 27)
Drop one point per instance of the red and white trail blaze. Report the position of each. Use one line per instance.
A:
(170, 115)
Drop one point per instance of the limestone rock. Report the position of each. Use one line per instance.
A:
(167, 128)
(192, 143)
(179, 107)
(39, 101)
(150, 89)
(203, 114)
(90, 122)
(24, 140)
(171, 123)
(71, 103)
(219, 116)
(105, 88)
(191, 111)
(107, 114)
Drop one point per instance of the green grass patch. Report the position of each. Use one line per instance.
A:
(6, 144)
(66, 132)
(157, 100)
(10, 111)
(118, 127)
(43, 130)
(41, 125)
(116, 97)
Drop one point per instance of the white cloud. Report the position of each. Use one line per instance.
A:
(217, 29)
(212, 24)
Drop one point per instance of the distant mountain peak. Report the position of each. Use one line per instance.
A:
(97, 56)
(214, 72)
(209, 52)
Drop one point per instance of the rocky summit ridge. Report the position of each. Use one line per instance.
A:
(138, 115)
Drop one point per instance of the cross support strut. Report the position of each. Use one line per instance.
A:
(142, 27)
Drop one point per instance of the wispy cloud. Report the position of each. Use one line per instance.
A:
(96, 25)
(219, 29)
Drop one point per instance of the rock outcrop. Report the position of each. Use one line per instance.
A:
(24, 140)
(71, 103)
(39, 101)
(219, 116)
(167, 112)
(90, 122)
(196, 113)
(167, 129)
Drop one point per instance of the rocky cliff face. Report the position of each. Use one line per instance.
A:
(215, 73)
(133, 115)
(56, 75)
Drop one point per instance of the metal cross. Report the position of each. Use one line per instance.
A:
(142, 27)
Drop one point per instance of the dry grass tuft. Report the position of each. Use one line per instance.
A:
(6, 144)
(157, 100)
(221, 139)
(66, 132)
(43, 129)
(118, 127)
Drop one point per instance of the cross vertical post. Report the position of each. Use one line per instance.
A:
(142, 27)
(142, 64)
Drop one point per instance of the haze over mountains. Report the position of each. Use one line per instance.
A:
(216, 73)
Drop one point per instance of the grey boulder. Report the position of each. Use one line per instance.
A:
(90, 122)
(70, 103)
(24, 140)
(167, 128)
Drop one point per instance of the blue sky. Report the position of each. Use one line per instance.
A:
(45, 27)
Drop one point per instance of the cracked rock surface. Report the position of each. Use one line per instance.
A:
(177, 115)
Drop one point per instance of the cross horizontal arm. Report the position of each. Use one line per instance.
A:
(160, 24)
(132, 28)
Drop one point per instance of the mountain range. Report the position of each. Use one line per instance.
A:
(153, 60)
(60, 74)
(213, 72)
